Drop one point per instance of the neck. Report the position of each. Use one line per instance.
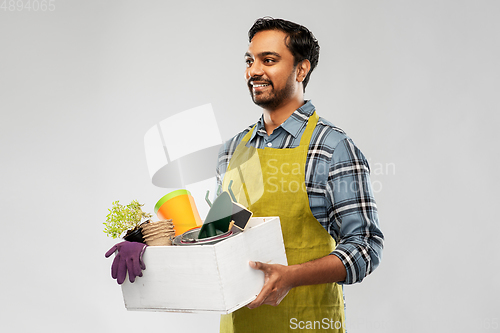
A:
(277, 116)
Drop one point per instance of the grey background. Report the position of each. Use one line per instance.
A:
(414, 83)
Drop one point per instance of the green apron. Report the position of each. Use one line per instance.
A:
(275, 186)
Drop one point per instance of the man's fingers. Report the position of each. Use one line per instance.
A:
(261, 298)
(275, 287)
(258, 265)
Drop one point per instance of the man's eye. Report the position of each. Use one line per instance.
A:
(269, 61)
(249, 62)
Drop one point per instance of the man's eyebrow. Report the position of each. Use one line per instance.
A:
(264, 54)
(268, 53)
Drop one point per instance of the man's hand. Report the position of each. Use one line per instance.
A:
(279, 279)
(277, 284)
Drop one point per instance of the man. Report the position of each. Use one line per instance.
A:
(298, 166)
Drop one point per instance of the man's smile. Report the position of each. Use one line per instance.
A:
(258, 86)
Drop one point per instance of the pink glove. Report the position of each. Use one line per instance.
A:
(128, 258)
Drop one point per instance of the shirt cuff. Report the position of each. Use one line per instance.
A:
(356, 260)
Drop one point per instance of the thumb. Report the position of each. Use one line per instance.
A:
(257, 265)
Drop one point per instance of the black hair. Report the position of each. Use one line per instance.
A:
(300, 41)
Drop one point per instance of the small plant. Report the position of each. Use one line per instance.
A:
(122, 218)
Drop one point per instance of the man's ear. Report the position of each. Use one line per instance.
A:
(303, 68)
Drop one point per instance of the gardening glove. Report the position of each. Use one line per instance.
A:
(128, 258)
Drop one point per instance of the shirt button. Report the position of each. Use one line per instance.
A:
(269, 144)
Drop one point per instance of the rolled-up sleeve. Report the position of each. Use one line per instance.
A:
(352, 212)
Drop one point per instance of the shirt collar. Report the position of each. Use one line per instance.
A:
(292, 125)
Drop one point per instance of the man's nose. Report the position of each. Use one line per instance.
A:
(254, 70)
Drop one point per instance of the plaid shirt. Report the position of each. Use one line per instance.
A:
(338, 186)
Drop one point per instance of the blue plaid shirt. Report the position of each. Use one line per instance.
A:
(337, 178)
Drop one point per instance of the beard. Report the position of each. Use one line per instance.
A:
(274, 98)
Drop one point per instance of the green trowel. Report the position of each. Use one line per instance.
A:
(218, 217)
(223, 214)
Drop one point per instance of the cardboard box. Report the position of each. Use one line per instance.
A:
(207, 278)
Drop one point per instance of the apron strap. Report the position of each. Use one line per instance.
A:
(248, 135)
(311, 124)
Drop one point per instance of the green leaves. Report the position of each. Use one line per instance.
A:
(122, 218)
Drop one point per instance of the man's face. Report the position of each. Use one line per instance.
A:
(270, 73)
